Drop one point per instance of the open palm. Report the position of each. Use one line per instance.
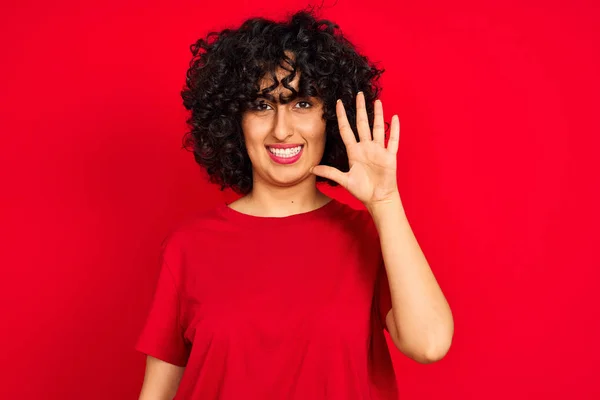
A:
(372, 175)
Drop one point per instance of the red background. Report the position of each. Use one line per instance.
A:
(498, 172)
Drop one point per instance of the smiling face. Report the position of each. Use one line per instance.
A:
(284, 140)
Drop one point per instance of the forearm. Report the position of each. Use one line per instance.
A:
(422, 317)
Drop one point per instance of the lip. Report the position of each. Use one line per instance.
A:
(287, 160)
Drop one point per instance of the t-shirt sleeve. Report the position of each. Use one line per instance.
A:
(162, 334)
(383, 296)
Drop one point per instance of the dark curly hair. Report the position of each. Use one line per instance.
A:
(223, 81)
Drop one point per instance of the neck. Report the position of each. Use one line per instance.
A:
(278, 201)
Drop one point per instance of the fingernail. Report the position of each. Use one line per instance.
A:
(359, 93)
(338, 100)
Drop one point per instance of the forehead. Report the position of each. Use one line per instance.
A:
(267, 81)
(283, 70)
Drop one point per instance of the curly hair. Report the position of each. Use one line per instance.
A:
(223, 81)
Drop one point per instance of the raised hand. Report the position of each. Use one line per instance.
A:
(372, 175)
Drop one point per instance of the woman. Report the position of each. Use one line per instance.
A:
(286, 293)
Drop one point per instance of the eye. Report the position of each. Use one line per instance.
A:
(261, 106)
(307, 104)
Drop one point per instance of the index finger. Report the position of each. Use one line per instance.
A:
(345, 130)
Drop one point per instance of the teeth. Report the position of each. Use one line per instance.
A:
(284, 153)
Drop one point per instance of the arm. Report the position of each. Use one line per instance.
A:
(420, 321)
(161, 380)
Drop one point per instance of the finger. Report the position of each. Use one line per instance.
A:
(394, 135)
(362, 119)
(345, 129)
(331, 173)
(378, 124)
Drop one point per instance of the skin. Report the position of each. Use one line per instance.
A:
(161, 380)
(420, 322)
(281, 190)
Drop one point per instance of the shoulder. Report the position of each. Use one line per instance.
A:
(356, 218)
(186, 233)
(358, 225)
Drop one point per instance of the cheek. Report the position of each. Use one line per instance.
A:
(252, 134)
(321, 138)
(314, 130)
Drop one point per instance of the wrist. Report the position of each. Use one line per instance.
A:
(383, 207)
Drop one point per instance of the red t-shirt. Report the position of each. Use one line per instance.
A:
(274, 308)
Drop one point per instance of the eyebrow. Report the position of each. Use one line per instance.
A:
(270, 97)
(275, 99)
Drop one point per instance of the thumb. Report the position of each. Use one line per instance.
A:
(331, 173)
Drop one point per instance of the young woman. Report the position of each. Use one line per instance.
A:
(286, 293)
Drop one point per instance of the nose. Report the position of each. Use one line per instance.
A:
(283, 124)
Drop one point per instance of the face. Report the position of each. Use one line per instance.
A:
(284, 140)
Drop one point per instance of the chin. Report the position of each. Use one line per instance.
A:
(290, 178)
